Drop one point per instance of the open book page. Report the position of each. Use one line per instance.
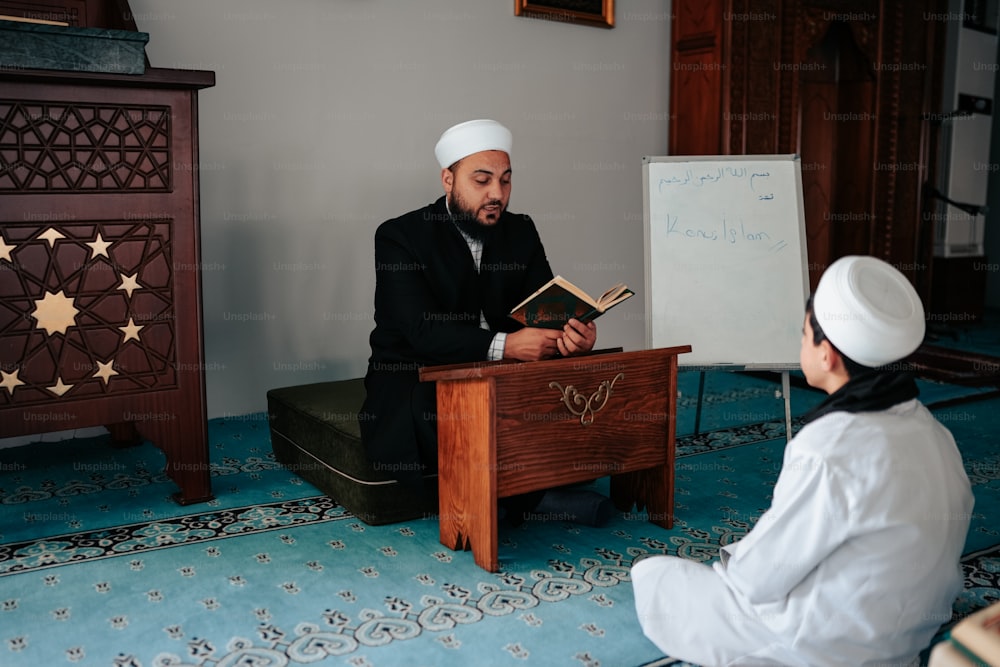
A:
(613, 296)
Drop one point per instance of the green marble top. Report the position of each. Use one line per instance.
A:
(40, 46)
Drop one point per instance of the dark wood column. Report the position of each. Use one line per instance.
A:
(696, 81)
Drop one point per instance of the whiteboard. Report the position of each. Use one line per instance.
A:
(726, 269)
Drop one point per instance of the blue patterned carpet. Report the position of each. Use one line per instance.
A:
(99, 567)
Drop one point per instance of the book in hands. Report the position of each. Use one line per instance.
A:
(558, 301)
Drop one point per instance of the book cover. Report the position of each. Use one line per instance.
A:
(559, 300)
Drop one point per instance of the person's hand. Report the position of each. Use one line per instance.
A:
(531, 344)
(577, 338)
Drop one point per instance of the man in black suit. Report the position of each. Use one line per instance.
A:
(447, 275)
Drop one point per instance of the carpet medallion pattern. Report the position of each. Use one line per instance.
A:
(982, 582)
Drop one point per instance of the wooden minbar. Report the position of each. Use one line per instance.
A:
(510, 428)
(100, 285)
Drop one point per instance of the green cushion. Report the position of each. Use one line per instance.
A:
(315, 433)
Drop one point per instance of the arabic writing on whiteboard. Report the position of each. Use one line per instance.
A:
(757, 180)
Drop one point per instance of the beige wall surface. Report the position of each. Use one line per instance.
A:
(322, 125)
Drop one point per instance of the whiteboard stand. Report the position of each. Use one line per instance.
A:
(786, 392)
(697, 408)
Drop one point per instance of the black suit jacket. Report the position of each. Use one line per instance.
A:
(428, 300)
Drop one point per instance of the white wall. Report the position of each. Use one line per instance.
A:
(322, 125)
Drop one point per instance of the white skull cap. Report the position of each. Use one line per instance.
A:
(869, 310)
(470, 137)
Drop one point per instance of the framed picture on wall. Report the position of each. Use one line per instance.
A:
(600, 13)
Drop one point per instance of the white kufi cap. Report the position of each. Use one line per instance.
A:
(471, 137)
(869, 310)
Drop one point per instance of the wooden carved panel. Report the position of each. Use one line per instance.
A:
(86, 309)
(696, 21)
(100, 312)
(71, 147)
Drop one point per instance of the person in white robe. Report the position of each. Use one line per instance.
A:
(856, 562)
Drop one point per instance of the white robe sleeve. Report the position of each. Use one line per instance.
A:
(808, 519)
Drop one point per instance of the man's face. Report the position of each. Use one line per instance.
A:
(479, 186)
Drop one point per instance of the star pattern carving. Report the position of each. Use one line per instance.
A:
(99, 247)
(105, 371)
(86, 309)
(51, 235)
(55, 313)
(130, 283)
(131, 331)
(5, 249)
(9, 380)
(59, 388)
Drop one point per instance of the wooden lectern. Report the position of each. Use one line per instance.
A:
(508, 428)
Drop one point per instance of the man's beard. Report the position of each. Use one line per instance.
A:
(465, 218)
